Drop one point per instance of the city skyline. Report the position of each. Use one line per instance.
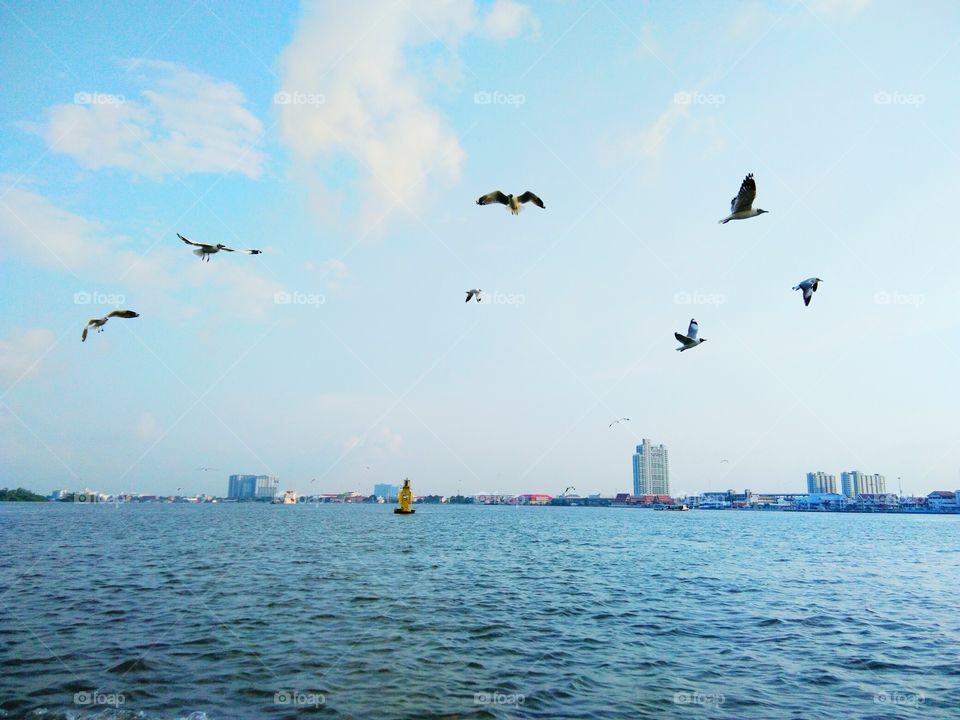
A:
(346, 344)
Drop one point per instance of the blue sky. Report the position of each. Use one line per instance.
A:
(349, 143)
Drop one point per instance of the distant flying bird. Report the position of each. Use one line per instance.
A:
(741, 207)
(98, 323)
(511, 201)
(809, 287)
(569, 489)
(724, 461)
(471, 294)
(205, 469)
(690, 340)
(617, 421)
(205, 251)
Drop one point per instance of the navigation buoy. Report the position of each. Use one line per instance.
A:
(405, 499)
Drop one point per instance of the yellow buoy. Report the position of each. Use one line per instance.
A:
(405, 499)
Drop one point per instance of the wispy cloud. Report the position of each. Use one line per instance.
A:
(186, 122)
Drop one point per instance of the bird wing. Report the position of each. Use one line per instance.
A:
(245, 252)
(693, 330)
(807, 295)
(123, 314)
(816, 282)
(191, 242)
(83, 335)
(469, 295)
(683, 339)
(744, 199)
(530, 197)
(494, 197)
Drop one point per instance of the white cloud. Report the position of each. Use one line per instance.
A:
(188, 123)
(21, 352)
(508, 19)
(353, 85)
(337, 272)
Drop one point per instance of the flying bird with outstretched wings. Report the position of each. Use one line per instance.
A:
(513, 202)
(205, 250)
(741, 207)
(98, 323)
(691, 339)
(809, 287)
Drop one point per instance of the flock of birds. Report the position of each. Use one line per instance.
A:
(741, 208)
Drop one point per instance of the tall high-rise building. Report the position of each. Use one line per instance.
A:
(651, 470)
(242, 486)
(856, 483)
(821, 482)
(268, 486)
(386, 490)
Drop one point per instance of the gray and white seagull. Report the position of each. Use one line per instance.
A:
(741, 207)
(98, 323)
(471, 294)
(205, 250)
(514, 202)
(809, 287)
(690, 340)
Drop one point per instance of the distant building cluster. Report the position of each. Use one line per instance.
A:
(253, 486)
(651, 469)
(855, 483)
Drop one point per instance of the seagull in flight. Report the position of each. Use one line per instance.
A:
(205, 251)
(206, 469)
(690, 340)
(471, 294)
(620, 420)
(98, 323)
(809, 287)
(741, 207)
(514, 202)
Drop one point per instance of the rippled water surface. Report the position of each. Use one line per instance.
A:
(258, 611)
